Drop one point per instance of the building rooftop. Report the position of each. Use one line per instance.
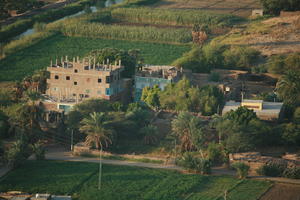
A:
(270, 110)
(161, 71)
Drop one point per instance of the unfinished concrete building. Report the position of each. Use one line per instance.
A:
(73, 81)
(149, 76)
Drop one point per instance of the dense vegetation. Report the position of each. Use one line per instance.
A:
(121, 182)
(24, 62)
(20, 26)
(275, 6)
(173, 17)
(182, 96)
(214, 55)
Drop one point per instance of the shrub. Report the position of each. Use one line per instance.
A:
(191, 162)
(242, 169)
(17, 154)
(272, 168)
(216, 153)
(292, 172)
(39, 151)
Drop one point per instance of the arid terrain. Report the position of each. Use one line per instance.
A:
(279, 35)
(282, 191)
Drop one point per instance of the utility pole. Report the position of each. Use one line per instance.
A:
(72, 140)
(100, 169)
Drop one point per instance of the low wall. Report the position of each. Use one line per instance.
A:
(289, 13)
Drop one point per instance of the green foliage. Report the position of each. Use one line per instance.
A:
(39, 27)
(24, 62)
(272, 168)
(214, 76)
(242, 130)
(129, 59)
(6, 96)
(240, 57)
(173, 17)
(80, 179)
(151, 96)
(216, 153)
(21, 26)
(39, 150)
(126, 32)
(181, 96)
(242, 169)
(192, 162)
(279, 64)
(189, 130)
(291, 134)
(214, 55)
(150, 134)
(296, 116)
(275, 6)
(17, 153)
(292, 172)
(288, 88)
(4, 125)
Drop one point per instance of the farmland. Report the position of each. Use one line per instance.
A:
(237, 7)
(123, 183)
(37, 56)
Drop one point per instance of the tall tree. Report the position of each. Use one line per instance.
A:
(188, 129)
(97, 130)
(288, 87)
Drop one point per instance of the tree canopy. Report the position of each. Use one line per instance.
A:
(274, 7)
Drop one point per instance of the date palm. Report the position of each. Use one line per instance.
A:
(288, 87)
(96, 128)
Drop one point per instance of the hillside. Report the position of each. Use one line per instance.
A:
(278, 35)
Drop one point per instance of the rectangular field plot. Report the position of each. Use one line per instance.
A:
(126, 183)
(38, 56)
(241, 8)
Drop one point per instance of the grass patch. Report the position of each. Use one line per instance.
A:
(124, 183)
(38, 56)
(117, 157)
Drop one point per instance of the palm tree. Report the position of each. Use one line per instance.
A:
(288, 87)
(187, 128)
(150, 134)
(95, 126)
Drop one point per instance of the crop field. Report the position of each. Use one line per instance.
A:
(37, 56)
(241, 8)
(126, 183)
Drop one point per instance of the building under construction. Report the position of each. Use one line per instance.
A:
(73, 81)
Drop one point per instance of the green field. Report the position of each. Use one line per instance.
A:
(38, 56)
(126, 183)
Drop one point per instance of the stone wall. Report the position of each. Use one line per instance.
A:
(289, 13)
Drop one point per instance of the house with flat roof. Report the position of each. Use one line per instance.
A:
(151, 75)
(71, 82)
(264, 110)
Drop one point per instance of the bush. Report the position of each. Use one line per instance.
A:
(17, 154)
(272, 168)
(39, 151)
(216, 153)
(191, 162)
(292, 172)
(242, 169)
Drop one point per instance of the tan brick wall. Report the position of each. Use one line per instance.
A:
(83, 82)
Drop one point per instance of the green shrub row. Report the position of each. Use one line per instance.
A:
(151, 34)
(279, 169)
(20, 26)
(173, 17)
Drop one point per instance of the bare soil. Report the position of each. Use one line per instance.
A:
(281, 191)
(278, 35)
(237, 7)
